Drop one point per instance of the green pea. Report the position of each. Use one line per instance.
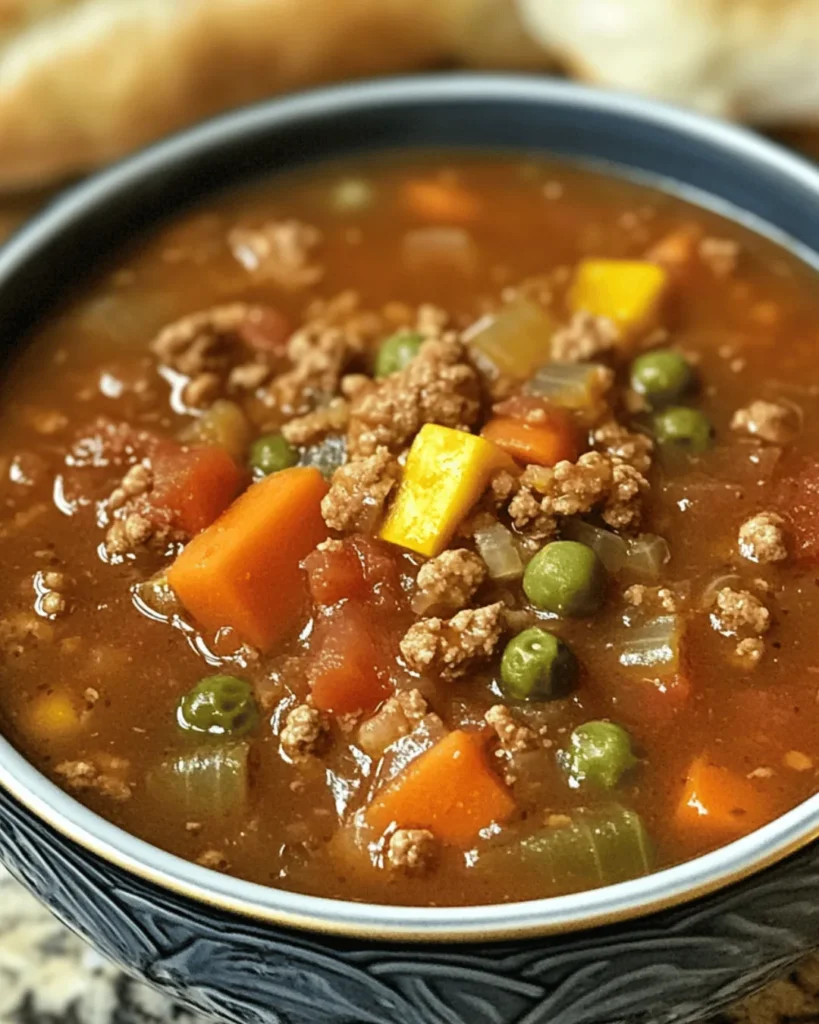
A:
(219, 704)
(567, 578)
(684, 428)
(599, 752)
(271, 453)
(396, 352)
(537, 666)
(661, 376)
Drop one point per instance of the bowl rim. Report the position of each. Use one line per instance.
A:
(552, 915)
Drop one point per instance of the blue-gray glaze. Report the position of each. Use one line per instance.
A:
(671, 968)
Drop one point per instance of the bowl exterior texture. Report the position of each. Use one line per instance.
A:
(672, 968)
(668, 968)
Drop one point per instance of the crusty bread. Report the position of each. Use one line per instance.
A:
(84, 81)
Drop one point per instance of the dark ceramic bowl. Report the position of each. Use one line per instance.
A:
(668, 948)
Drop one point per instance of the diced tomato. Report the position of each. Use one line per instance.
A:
(335, 574)
(798, 499)
(361, 568)
(348, 674)
(196, 484)
(266, 330)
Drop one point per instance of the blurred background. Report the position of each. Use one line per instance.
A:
(83, 82)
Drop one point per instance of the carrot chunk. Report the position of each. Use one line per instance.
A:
(195, 484)
(244, 571)
(451, 790)
(440, 201)
(530, 430)
(721, 800)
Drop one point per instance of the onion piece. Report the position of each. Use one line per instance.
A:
(438, 248)
(327, 455)
(212, 782)
(496, 546)
(656, 644)
(647, 554)
(514, 341)
(610, 548)
(578, 386)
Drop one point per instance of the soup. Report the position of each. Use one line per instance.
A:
(426, 530)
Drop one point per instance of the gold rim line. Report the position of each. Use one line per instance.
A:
(410, 933)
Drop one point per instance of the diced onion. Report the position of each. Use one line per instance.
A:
(515, 340)
(327, 455)
(496, 547)
(211, 782)
(656, 644)
(571, 385)
(647, 554)
(439, 248)
(610, 548)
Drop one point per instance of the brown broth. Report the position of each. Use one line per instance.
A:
(753, 334)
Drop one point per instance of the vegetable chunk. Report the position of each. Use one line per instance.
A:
(195, 484)
(629, 292)
(451, 790)
(446, 472)
(719, 800)
(244, 571)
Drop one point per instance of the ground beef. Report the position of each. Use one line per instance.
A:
(281, 251)
(504, 486)
(134, 523)
(315, 426)
(750, 650)
(358, 491)
(528, 516)
(595, 481)
(621, 443)
(762, 538)
(213, 859)
(106, 775)
(448, 581)
(334, 334)
(765, 420)
(720, 255)
(223, 349)
(411, 849)
(437, 386)
(304, 734)
(663, 599)
(514, 736)
(396, 717)
(584, 338)
(449, 648)
(738, 611)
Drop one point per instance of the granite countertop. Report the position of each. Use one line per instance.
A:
(49, 976)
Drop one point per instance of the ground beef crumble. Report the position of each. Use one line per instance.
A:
(437, 386)
(762, 538)
(396, 717)
(412, 850)
(224, 349)
(514, 736)
(621, 443)
(766, 420)
(449, 648)
(315, 426)
(585, 337)
(105, 775)
(279, 250)
(738, 611)
(358, 491)
(595, 481)
(449, 580)
(304, 734)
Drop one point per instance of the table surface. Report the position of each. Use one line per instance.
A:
(49, 976)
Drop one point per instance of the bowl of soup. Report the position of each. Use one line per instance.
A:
(409, 543)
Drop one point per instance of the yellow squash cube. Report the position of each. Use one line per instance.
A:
(446, 472)
(629, 292)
